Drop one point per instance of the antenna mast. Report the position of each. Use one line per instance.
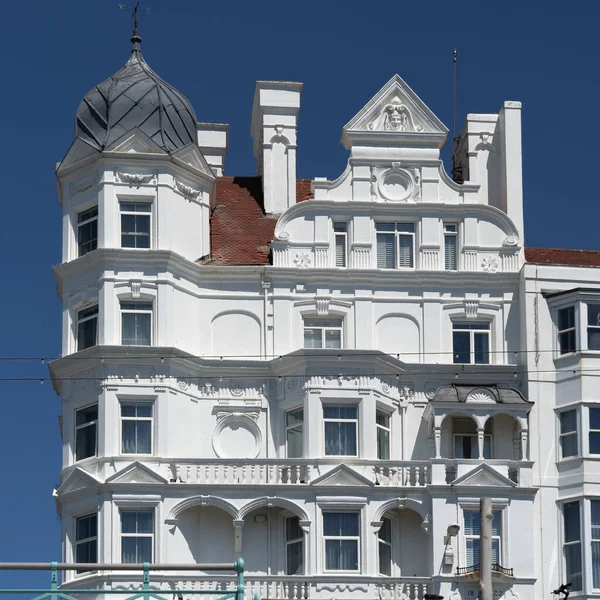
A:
(454, 107)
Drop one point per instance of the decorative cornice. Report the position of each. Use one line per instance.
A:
(83, 185)
(134, 179)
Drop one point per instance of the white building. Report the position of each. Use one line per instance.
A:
(320, 376)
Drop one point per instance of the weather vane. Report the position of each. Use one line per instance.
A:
(135, 10)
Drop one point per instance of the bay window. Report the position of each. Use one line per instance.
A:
(137, 536)
(136, 323)
(566, 330)
(572, 544)
(382, 423)
(569, 443)
(341, 534)
(341, 430)
(136, 427)
(87, 327)
(86, 539)
(593, 326)
(135, 224)
(86, 432)
(294, 426)
(87, 231)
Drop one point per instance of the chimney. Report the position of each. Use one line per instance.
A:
(212, 141)
(273, 130)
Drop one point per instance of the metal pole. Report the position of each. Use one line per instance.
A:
(485, 549)
(239, 567)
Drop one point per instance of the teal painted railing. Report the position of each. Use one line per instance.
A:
(55, 593)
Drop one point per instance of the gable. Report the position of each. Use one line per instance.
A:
(135, 141)
(396, 111)
(191, 156)
(77, 480)
(342, 476)
(483, 476)
(136, 473)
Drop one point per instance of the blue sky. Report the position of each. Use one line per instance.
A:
(52, 53)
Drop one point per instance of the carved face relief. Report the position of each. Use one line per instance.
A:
(397, 119)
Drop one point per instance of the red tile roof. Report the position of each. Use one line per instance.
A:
(241, 233)
(563, 256)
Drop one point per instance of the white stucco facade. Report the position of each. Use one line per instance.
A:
(333, 412)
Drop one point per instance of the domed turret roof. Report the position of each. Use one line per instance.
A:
(135, 97)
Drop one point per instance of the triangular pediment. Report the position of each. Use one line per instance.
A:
(136, 473)
(192, 156)
(342, 476)
(483, 476)
(78, 479)
(135, 141)
(395, 112)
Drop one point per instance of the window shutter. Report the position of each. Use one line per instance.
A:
(405, 251)
(340, 250)
(386, 255)
(450, 252)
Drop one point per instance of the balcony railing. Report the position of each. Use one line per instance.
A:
(283, 587)
(294, 472)
(496, 568)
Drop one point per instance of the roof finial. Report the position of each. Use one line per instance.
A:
(136, 39)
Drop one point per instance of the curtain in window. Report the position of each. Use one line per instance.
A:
(340, 436)
(313, 338)
(136, 547)
(405, 251)
(340, 554)
(137, 437)
(596, 543)
(136, 329)
(386, 252)
(450, 252)
(294, 442)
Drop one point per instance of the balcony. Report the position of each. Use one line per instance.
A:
(473, 571)
(271, 587)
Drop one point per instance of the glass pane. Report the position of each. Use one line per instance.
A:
(573, 564)
(136, 207)
(566, 318)
(594, 418)
(496, 552)
(128, 410)
(571, 517)
(128, 224)
(593, 314)
(593, 338)
(471, 325)
(386, 251)
(293, 531)
(405, 251)
(487, 447)
(382, 418)
(333, 339)
(340, 524)
(87, 333)
(85, 442)
(339, 226)
(340, 411)
(596, 564)
(384, 226)
(129, 550)
(568, 421)
(383, 444)
(340, 438)
(86, 527)
(313, 338)
(465, 446)
(129, 521)
(341, 555)
(294, 416)
(472, 552)
(322, 322)
(294, 442)
(405, 227)
(461, 346)
(87, 214)
(87, 552)
(136, 329)
(385, 533)
(482, 350)
(86, 415)
(595, 506)
(128, 437)
(143, 409)
(295, 558)
(385, 559)
(145, 521)
(567, 341)
(143, 437)
(595, 442)
(568, 444)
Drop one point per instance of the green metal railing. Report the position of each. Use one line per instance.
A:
(55, 593)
